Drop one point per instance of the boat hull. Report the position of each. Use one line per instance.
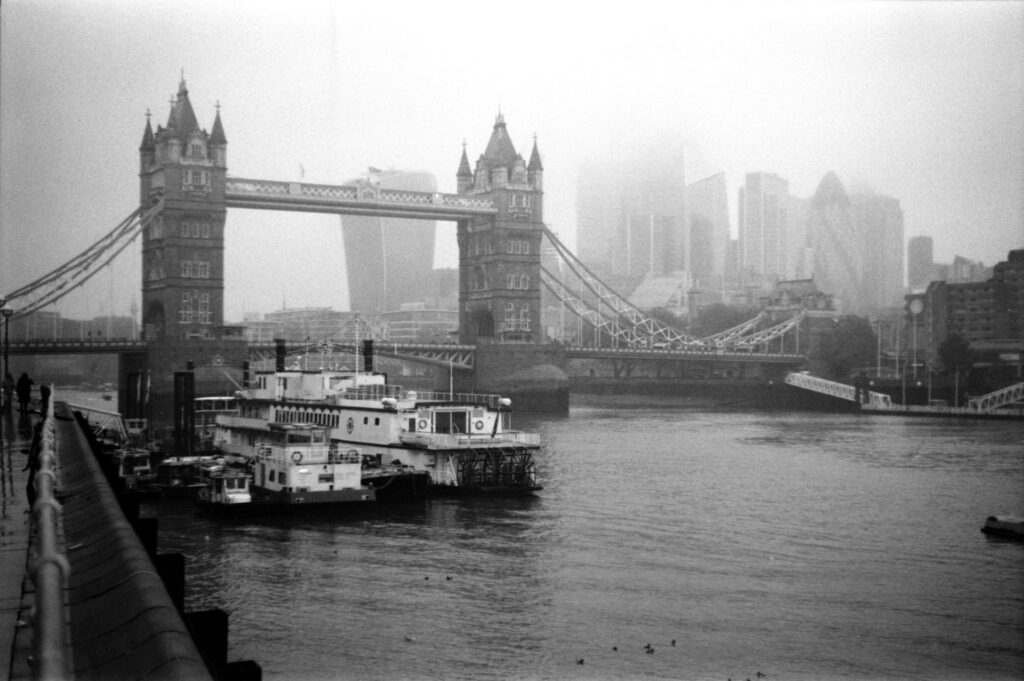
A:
(1007, 527)
(398, 487)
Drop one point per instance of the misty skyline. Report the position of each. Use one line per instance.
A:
(921, 101)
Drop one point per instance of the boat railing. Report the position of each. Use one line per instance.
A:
(465, 440)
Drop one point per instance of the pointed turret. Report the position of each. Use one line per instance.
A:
(464, 177)
(183, 119)
(500, 151)
(218, 142)
(148, 141)
(217, 136)
(534, 170)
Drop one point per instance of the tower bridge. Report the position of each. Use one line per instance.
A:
(184, 196)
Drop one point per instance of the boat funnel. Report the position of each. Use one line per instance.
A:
(368, 355)
(279, 354)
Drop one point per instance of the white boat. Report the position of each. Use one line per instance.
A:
(226, 489)
(1007, 526)
(464, 441)
(296, 464)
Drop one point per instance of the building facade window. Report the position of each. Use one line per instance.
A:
(195, 180)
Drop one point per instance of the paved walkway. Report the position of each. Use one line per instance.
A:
(15, 438)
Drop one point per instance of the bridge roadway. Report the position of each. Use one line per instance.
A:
(116, 608)
(440, 354)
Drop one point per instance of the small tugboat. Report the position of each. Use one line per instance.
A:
(179, 477)
(1006, 526)
(297, 465)
(226, 490)
(132, 466)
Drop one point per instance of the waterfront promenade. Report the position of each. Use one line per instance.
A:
(15, 438)
(83, 593)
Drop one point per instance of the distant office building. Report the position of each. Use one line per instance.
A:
(962, 271)
(389, 260)
(707, 205)
(305, 324)
(857, 244)
(631, 214)
(837, 266)
(763, 220)
(418, 323)
(879, 220)
(920, 262)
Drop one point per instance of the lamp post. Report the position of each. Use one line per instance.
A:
(6, 312)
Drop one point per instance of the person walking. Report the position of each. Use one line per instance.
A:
(24, 389)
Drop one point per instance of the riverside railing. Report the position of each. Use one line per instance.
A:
(49, 568)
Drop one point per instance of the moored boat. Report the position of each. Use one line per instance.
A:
(226, 489)
(464, 442)
(1008, 526)
(296, 465)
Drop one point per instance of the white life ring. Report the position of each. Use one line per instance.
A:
(296, 457)
(421, 424)
(479, 424)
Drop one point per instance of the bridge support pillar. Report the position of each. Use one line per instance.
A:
(532, 376)
(217, 366)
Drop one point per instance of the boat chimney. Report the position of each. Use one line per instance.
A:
(279, 353)
(368, 355)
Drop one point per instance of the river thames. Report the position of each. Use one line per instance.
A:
(668, 543)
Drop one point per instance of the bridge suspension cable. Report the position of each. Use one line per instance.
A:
(62, 280)
(624, 321)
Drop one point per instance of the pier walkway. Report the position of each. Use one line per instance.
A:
(83, 593)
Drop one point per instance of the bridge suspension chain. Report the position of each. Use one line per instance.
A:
(647, 329)
(64, 279)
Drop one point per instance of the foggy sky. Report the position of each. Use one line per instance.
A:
(921, 101)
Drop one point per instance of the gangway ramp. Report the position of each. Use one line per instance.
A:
(998, 398)
(842, 391)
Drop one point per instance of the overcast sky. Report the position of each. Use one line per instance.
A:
(922, 101)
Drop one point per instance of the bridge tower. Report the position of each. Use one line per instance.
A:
(499, 257)
(183, 247)
(189, 351)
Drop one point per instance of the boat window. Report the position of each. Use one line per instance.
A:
(376, 421)
(282, 478)
(318, 436)
(450, 422)
(412, 426)
(272, 472)
(300, 437)
(327, 478)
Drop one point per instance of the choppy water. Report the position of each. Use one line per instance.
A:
(801, 546)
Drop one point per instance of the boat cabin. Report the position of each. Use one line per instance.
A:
(300, 457)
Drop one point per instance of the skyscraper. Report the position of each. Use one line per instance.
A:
(857, 243)
(879, 220)
(632, 215)
(920, 262)
(763, 228)
(707, 206)
(389, 260)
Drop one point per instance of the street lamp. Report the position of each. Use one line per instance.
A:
(6, 312)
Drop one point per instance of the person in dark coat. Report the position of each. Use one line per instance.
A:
(24, 389)
(32, 465)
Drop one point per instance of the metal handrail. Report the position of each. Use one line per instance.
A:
(49, 568)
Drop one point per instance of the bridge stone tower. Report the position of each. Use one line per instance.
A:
(183, 247)
(499, 278)
(499, 257)
(183, 268)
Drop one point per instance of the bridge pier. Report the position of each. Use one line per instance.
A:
(532, 376)
(216, 365)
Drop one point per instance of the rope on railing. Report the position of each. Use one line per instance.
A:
(49, 568)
